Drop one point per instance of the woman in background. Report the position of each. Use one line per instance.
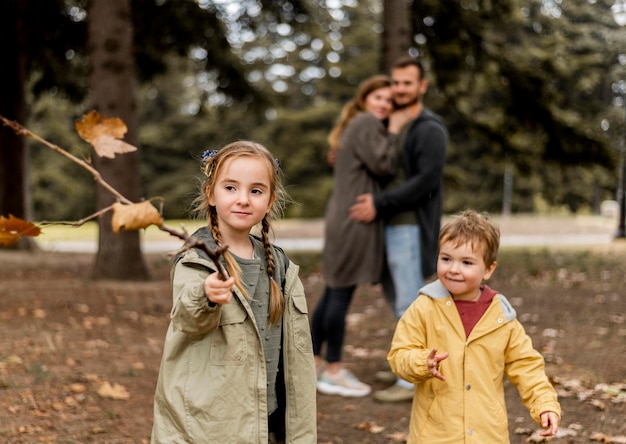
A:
(363, 156)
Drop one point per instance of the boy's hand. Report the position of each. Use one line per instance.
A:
(217, 290)
(549, 421)
(433, 361)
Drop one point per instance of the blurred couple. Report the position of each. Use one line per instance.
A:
(383, 217)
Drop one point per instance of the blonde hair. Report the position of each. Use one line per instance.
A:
(477, 230)
(213, 162)
(356, 105)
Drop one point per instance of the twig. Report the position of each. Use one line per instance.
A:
(20, 130)
(192, 241)
(79, 222)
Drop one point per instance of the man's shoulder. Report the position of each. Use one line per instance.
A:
(428, 115)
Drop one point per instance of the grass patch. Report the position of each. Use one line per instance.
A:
(89, 231)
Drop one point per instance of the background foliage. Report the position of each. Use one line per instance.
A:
(528, 86)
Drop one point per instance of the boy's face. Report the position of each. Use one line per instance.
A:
(462, 269)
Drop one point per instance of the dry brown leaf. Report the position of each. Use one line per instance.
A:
(38, 313)
(536, 437)
(77, 387)
(398, 436)
(601, 437)
(598, 404)
(369, 426)
(115, 391)
(14, 228)
(135, 216)
(104, 134)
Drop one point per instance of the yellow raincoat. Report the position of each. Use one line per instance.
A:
(469, 407)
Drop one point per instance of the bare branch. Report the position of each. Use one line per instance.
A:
(20, 130)
(192, 241)
(79, 222)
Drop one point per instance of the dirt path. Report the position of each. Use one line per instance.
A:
(79, 359)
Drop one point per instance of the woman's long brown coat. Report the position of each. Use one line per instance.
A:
(353, 252)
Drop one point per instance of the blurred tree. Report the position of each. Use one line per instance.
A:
(112, 86)
(320, 63)
(397, 34)
(16, 49)
(519, 83)
(524, 83)
(14, 198)
(48, 44)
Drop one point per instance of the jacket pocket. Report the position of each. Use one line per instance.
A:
(300, 324)
(228, 341)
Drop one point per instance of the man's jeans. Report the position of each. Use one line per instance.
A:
(402, 247)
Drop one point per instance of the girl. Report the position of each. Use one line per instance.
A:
(237, 362)
(363, 156)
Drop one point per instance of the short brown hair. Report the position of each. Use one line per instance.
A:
(477, 230)
(406, 61)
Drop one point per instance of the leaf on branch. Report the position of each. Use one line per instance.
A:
(13, 228)
(135, 216)
(104, 134)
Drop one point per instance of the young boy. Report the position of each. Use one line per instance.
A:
(458, 340)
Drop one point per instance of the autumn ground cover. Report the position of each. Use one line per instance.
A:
(79, 359)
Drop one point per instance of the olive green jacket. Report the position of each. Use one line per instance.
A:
(212, 382)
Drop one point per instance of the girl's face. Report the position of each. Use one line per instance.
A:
(461, 270)
(379, 102)
(242, 195)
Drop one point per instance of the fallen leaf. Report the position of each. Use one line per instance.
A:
(370, 427)
(398, 436)
(14, 228)
(598, 404)
(115, 391)
(38, 313)
(135, 216)
(104, 134)
(138, 366)
(14, 359)
(607, 438)
(77, 387)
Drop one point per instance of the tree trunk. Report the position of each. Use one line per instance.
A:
(14, 183)
(397, 31)
(112, 81)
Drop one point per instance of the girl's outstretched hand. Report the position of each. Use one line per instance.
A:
(218, 291)
(433, 361)
(550, 422)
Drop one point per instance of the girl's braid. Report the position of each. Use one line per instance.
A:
(231, 264)
(276, 294)
(214, 225)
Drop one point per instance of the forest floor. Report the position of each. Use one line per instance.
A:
(79, 358)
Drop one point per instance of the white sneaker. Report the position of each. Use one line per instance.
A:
(343, 383)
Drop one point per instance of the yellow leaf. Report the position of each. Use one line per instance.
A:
(115, 391)
(104, 134)
(135, 216)
(13, 228)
